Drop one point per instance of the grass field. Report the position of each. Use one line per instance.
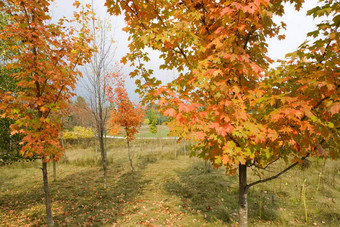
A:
(167, 189)
(162, 131)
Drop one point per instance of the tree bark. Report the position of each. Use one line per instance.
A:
(95, 145)
(104, 156)
(54, 170)
(63, 144)
(47, 195)
(206, 167)
(243, 191)
(175, 148)
(130, 157)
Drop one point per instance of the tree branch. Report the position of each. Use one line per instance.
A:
(276, 176)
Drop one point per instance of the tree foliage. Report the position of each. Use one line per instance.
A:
(79, 114)
(43, 67)
(43, 62)
(219, 50)
(79, 132)
(124, 113)
(225, 98)
(302, 95)
(9, 144)
(160, 117)
(153, 124)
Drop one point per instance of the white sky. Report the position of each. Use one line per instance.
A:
(298, 25)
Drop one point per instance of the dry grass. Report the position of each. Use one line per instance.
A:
(168, 188)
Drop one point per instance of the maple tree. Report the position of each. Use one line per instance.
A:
(114, 127)
(44, 67)
(124, 113)
(222, 92)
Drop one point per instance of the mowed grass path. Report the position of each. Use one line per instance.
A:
(167, 189)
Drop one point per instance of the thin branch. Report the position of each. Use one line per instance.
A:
(276, 176)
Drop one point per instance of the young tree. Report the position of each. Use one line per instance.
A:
(97, 83)
(220, 51)
(43, 67)
(125, 113)
(113, 127)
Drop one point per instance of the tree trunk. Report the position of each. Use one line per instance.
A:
(185, 148)
(54, 170)
(130, 157)
(206, 165)
(63, 144)
(95, 145)
(175, 148)
(104, 156)
(243, 190)
(47, 195)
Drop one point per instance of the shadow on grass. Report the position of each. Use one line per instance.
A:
(78, 199)
(215, 196)
(85, 201)
(211, 194)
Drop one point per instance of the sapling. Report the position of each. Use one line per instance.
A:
(304, 199)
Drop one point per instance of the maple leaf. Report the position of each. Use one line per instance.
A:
(170, 112)
(335, 108)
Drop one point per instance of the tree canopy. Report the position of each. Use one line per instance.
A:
(239, 112)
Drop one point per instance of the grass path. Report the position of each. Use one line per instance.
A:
(159, 204)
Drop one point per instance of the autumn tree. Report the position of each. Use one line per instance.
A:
(301, 97)
(219, 49)
(113, 126)
(44, 68)
(124, 113)
(79, 114)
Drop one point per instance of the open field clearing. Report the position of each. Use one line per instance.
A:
(168, 188)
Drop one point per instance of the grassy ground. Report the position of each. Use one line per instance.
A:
(167, 188)
(162, 131)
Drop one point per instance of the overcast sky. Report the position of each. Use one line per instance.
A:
(298, 25)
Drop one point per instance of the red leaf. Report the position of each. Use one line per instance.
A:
(170, 112)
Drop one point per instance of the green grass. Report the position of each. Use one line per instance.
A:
(163, 131)
(168, 188)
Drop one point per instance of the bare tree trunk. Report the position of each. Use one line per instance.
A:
(243, 191)
(63, 144)
(47, 195)
(54, 171)
(175, 148)
(185, 147)
(130, 156)
(104, 156)
(207, 166)
(105, 140)
(95, 145)
(97, 83)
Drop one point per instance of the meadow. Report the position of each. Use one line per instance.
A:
(168, 188)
